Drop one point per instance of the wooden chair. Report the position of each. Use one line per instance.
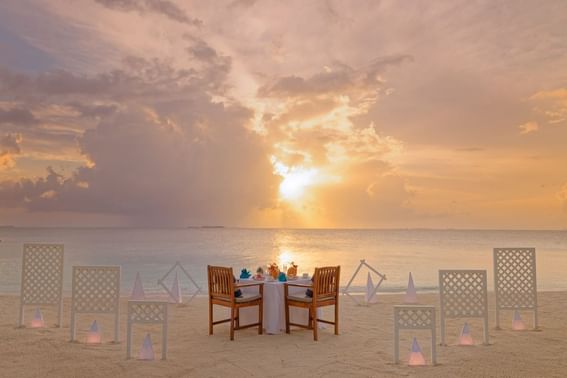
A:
(221, 292)
(325, 289)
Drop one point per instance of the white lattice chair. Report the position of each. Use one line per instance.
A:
(414, 317)
(515, 283)
(96, 290)
(463, 294)
(42, 278)
(147, 312)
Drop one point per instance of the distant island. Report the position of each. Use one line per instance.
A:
(205, 226)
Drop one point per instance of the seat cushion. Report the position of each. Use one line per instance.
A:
(247, 298)
(306, 299)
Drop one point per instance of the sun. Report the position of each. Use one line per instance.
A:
(295, 180)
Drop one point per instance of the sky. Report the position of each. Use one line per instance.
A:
(316, 114)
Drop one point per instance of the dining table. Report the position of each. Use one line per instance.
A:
(274, 305)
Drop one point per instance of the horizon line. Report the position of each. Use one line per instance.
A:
(219, 227)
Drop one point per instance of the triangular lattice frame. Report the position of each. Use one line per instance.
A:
(382, 277)
(166, 275)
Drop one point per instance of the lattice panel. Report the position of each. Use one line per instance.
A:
(96, 289)
(418, 317)
(147, 312)
(42, 274)
(463, 293)
(515, 278)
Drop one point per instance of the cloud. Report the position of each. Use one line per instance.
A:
(17, 116)
(337, 78)
(163, 7)
(158, 148)
(551, 104)
(528, 127)
(9, 146)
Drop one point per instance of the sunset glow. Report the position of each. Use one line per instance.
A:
(267, 114)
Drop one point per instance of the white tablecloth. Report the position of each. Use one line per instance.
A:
(274, 306)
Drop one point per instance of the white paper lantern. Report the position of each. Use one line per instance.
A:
(176, 290)
(138, 290)
(147, 351)
(370, 296)
(466, 337)
(37, 321)
(411, 294)
(94, 335)
(517, 322)
(416, 357)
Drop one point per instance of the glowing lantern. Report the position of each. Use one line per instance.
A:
(37, 321)
(466, 337)
(416, 357)
(517, 322)
(138, 291)
(411, 294)
(94, 334)
(147, 351)
(176, 290)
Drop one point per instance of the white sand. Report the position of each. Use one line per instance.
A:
(363, 349)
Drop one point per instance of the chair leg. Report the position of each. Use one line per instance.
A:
(313, 310)
(210, 317)
(237, 317)
(336, 318)
(287, 328)
(261, 318)
(232, 315)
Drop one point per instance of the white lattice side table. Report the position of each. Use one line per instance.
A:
(96, 290)
(147, 312)
(42, 278)
(463, 294)
(515, 283)
(414, 317)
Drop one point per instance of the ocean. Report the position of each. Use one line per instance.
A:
(394, 253)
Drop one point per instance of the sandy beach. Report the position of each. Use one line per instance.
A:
(363, 348)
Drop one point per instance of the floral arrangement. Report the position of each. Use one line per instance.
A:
(273, 270)
(292, 270)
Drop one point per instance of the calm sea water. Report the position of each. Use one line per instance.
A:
(393, 252)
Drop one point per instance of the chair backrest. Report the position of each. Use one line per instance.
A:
(326, 281)
(221, 281)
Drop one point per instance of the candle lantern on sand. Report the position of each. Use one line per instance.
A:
(147, 351)
(94, 334)
(37, 321)
(416, 357)
(517, 322)
(466, 337)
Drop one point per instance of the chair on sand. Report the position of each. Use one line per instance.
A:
(325, 290)
(222, 292)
